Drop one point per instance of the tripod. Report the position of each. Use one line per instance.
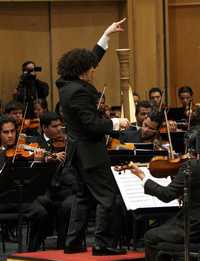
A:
(187, 177)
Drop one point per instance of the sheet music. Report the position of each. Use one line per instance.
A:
(132, 190)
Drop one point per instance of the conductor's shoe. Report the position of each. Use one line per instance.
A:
(73, 250)
(107, 251)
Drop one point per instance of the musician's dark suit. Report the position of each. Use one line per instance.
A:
(131, 135)
(88, 153)
(10, 203)
(173, 230)
(56, 202)
(43, 143)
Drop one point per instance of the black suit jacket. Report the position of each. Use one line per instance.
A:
(176, 189)
(131, 135)
(43, 143)
(85, 127)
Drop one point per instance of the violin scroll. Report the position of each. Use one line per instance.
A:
(134, 168)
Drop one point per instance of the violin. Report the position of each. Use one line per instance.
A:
(11, 152)
(159, 166)
(115, 144)
(31, 123)
(129, 166)
(22, 150)
(163, 166)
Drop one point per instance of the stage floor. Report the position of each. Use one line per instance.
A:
(58, 255)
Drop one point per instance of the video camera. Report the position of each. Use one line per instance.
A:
(35, 69)
(27, 74)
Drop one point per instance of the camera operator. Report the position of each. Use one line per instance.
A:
(30, 88)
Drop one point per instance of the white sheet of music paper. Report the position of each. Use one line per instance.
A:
(132, 190)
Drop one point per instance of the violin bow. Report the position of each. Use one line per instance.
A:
(161, 102)
(102, 94)
(20, 132)
(98, 106)
(169, 136)
(190, 114)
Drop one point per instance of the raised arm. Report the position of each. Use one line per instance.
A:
(102, 44)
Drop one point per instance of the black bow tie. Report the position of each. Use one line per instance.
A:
(49, 143)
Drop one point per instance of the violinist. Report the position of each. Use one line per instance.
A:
(8, 136)
(143, 108)
(56, 202)
(15, 109)
(173, 230)
(40, 106)
(145, 134)
(51, 127)
(8, 139)
(181, 114)
(136, 97)
(155, 96)
(59, 111)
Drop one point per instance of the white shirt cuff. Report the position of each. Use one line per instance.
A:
(103, 41)
(115, 123)
(144, 181)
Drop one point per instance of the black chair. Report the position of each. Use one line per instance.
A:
(141, 220)
(174, 252)
(8, 217)
(20, 185)
(5, 218)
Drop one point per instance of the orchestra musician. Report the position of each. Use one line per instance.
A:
(60, 190)
(86, 147)
(57, 200)
(143, 108)
(15, 109)
(147, 133)
(155, 96)
(58, 110)
(8, 132)
(35, 213)
(40, 106)
(173, 230)
(51, 129)
(185, 94)
(136, 97)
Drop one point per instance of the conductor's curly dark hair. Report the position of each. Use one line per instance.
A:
(76, 62)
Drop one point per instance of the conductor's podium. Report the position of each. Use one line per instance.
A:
(58, 255)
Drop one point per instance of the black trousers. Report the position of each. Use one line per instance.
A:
(50, 214)
(97, 187)
(170, 232)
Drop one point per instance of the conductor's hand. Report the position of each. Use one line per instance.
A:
(123, 123)
(115, 27)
